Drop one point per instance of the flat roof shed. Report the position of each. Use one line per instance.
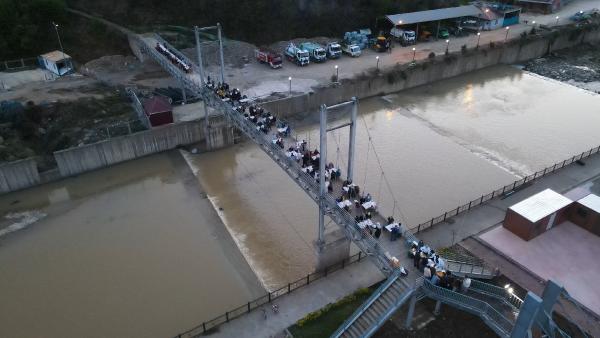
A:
(537, 214)
(434, 15)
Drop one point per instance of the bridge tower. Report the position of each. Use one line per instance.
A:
(333, 246)
(213, 139)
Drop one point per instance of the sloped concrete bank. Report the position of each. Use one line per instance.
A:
(441, 67)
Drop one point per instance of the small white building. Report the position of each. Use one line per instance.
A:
(57, 62)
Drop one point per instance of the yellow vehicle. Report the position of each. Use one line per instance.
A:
(381, 44)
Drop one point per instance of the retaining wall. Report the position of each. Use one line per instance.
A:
(427, 71)
(105, 153)
(18, 175)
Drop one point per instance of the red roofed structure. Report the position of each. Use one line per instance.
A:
(159, 111)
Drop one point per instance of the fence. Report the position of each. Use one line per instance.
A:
(504, 191)
(19, 64)
(269, 297)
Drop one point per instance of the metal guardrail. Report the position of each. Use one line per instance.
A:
(496, 292)
(504, 191)
(494, 319)
(19, 64)
(270, 297)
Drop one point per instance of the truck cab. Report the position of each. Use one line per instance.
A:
(351, 49)
(406, 37)
(443, 34)
(315, 51)
(297, 55)
(334, 50)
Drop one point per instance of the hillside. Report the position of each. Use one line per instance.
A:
(256, 21)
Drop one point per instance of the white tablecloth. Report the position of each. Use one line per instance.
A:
(369, 205)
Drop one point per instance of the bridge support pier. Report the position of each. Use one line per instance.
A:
(551, 293)
(334, 248)
(527, 315)
(219, 136)
(438, 308)
(411, 311)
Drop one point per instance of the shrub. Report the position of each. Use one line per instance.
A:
(492, 45)
(431, 55)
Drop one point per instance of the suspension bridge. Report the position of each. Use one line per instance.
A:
(505, 314)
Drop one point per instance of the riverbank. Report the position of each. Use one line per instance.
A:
(579, 67)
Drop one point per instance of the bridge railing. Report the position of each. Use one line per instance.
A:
(505, 190)
(269, 297)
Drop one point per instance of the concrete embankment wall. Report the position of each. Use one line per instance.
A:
(18, 175)
(105, 153)
(24, 173)
(427, 71)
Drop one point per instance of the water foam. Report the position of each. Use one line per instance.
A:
(23, 220)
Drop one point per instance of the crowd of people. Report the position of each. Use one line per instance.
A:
(433, 267)
(164, 50)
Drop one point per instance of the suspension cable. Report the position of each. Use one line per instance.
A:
(403, 218)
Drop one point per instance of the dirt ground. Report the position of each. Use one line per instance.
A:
(580, 67)
(40, 129)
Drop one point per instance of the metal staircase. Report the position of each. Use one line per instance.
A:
(468, 269)
(491, 315)
(463, 265)
(367, 319)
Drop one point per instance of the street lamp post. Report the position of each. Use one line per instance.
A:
(377, 57)
(507, 30)
(414, 53)
(447, 46)
(337, 73)
(557, 18)
(478, 39)
(290, 79)
(58, 36)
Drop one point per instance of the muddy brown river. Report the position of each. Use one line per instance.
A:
(137, 250)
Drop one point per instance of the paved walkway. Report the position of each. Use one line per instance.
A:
(310, 298)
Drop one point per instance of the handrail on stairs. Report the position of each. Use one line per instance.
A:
(359, 312)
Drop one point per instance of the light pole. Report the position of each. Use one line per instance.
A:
(377, 57)
(59, 42)
(337, 73)
(290, 79)
(447, 46)
(557, 18)
(414, 53)
(533, 23)
(507, 30)
(478, 39)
